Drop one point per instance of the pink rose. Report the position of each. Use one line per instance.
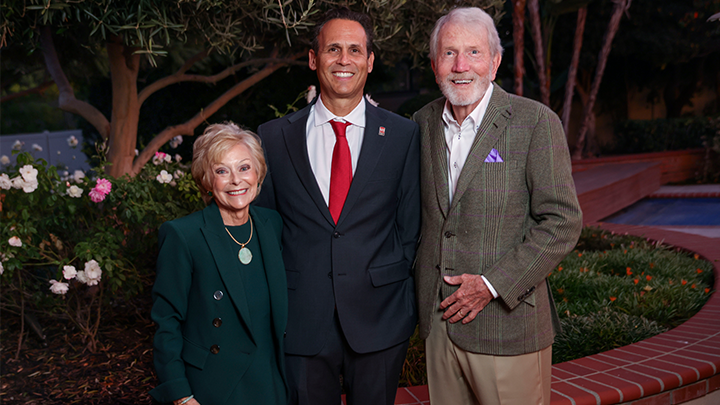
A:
(96, 196)
(103, 186)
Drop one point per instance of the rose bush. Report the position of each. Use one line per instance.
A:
(53, 223)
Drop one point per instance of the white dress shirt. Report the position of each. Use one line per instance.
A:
(459, 139)
(321, 140)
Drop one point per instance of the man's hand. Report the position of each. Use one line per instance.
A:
(465, 303)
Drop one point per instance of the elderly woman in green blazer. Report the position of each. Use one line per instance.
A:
(220, 296)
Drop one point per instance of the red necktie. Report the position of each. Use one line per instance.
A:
(341, 172)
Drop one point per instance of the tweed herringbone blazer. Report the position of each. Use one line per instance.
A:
(511, 221)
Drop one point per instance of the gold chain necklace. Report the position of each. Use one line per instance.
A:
(244, 255)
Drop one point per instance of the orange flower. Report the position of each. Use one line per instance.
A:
(683, 282)
(579, 254)
(696, 256)
(625, 251)
(559, 268)
(648, 278)
(707, 290)
(693, 286)
(636, 281)
(652, 265)
(560, 290)
(671, 282)
(627, 270)
(698, 271)
(613, 298)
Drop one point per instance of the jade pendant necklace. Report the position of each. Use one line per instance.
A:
(244, 255)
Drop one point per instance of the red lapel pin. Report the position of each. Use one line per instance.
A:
(381, 132)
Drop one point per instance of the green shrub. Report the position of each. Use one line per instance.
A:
(53, 227)
(652, 286)
(643, 136)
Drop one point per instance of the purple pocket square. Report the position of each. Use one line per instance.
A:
(494, 157)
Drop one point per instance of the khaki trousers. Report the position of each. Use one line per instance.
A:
(457, 377)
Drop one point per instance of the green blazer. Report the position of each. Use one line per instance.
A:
(197, 283)
(511, 221)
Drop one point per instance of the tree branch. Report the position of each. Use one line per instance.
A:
(534, 11)
(35, 90)
(189, 126)
(67, 100)
(180, 75)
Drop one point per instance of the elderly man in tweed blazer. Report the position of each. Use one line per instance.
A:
(499, 211)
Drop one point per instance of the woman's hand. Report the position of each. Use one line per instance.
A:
(192, 401)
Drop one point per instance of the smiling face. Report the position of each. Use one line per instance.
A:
(342, 63)
(235, 184)
(464, 66)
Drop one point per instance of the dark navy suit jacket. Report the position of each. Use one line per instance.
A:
(363, 265)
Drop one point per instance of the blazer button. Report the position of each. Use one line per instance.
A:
(336, 235)
(214, 349)
(330, 275)
(218, 295)
(217, 322)
(449, 234)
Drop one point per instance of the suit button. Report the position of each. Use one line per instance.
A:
(330, 275)
(218, 295)
(449, 234)
(217, 322)
(214, 349)
(438, 267)
(336, 235)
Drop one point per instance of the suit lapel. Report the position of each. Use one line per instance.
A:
(372, 147)
(225, 260)
(438, 156)
(491, 130)
(275, 271)
(296, 143)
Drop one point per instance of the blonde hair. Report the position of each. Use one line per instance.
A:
(213, 144)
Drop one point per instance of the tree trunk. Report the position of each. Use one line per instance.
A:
(124, 67)
(572, 74)
(618, 9)
(534, 11)
(519, 43)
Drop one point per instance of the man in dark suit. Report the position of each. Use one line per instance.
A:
(499, 212)
(344, 176)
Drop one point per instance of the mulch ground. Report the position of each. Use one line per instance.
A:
(57, 370)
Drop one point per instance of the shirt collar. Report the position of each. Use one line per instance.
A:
(323, 115)
(476, 115)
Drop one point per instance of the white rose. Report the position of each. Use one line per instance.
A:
(179, 174)
(80, 276)
(164, 177)
(2, 269)
(72, 141)
(30, 186)
(178, 158)
(75, 191)
(37, 148)
(93, 273)
(5, 160)
(5, 182)
(78, 175)
(57, 287)
(15, 241)
(29, 173)
(69, 272)
(18, 145)
(176, 141)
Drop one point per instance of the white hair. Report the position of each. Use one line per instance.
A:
(470, 17)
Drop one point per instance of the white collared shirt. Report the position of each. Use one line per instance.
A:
(459, 138)
(321, 140)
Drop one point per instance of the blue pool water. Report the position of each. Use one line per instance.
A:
(670, 211)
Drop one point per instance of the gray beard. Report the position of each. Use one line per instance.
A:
(479, 87)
